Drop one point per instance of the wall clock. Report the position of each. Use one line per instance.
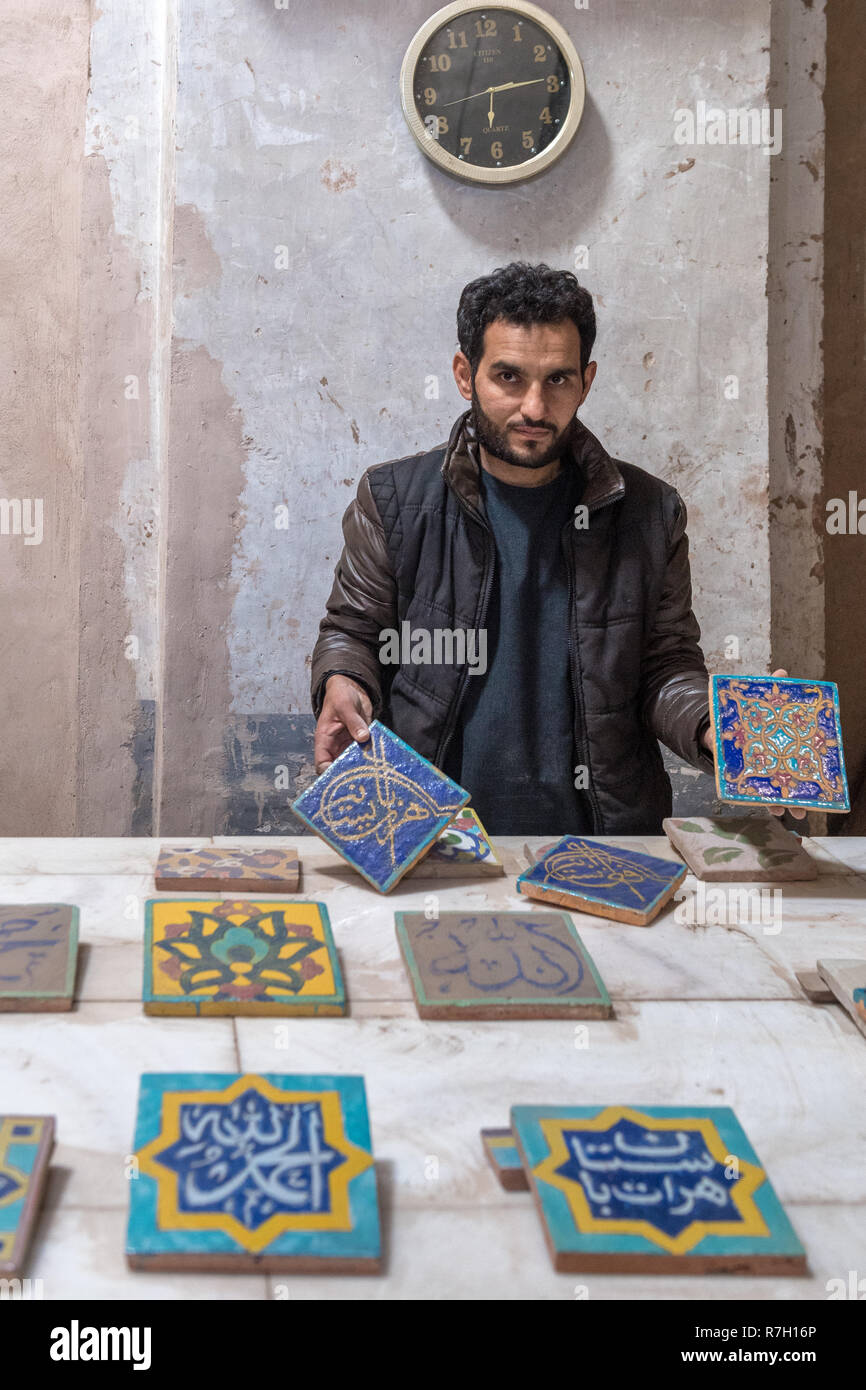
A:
(493, 95)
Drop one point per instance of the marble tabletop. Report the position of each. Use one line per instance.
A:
(704, 1015)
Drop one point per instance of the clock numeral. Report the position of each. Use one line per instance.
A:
(546, 116)
(553, 84)
(465, 142)
(485, 28)
(431, 125)
(430, 96)
(461, 34)
(443, 125)
(540, 52)
(518, 34)
(528, 139)
(439, 62)
(496, 149)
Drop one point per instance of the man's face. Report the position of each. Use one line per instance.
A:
(526, 390)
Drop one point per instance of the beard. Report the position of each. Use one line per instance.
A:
(510, 448)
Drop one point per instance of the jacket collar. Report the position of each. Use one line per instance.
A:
(461, 467)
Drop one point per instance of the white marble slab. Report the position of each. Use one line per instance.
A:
(847, 850)
(83, 1067)
(497, 1253)
(79, 1254)
(792, 1071)
(705, 1015)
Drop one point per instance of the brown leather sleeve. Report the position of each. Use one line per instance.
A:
(674, 696)
(362, 602)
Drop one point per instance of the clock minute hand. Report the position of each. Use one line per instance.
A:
(503, 86)
(530, 83)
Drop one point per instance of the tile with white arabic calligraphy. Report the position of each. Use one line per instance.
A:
(26, 1142)
(500, 965)
(381, 806)
(653, 1189)
(778, 741)
(604, 880)
(38, 956)
(255, 1172)
(227, 869)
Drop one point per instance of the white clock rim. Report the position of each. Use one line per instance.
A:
(479, 173)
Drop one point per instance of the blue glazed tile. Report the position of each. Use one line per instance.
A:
(26, 1142)
(274, 1169)
(380, 805)
(778, 741)
(663, 1184)
(598, 876)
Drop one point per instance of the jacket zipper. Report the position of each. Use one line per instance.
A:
(582, 744)
(480, 615)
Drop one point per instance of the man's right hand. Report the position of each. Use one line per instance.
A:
(346, 712)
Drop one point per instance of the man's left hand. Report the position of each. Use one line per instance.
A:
(797, 812)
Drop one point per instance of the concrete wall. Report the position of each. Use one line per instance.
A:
(268, 277)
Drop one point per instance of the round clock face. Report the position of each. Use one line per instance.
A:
(493, 94)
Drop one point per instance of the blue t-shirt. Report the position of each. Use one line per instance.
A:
(513, 748)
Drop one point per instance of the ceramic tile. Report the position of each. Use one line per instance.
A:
(462, 849)
(253, 1171)
(26, 1142)
(746, 849)
(529, 964)
(38, 956)
(847, 979)
(380, 805)
(632, 1189)
(276, 956)
(601, 879)
(778, 740)
(504, 1159)
(226, 869)
(83, 1067)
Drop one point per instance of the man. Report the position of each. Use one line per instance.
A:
(568, 568)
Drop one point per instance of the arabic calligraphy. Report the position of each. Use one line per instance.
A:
(589, 866)
(501, 952)
(27, 939)
(379, 803)
(252, 1163)
(252, 1158)
(632, 1171)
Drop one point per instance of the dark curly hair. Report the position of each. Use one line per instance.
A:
(523, 293)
